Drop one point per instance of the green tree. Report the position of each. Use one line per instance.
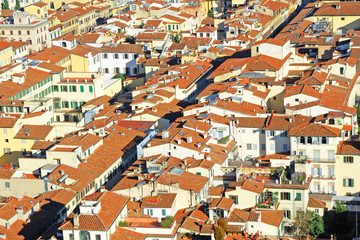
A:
(339, 208)
(223, 224)
(17, 6)
(166, 222)
(308, 223)
(5, 5)
(219, 233)
(211, 13)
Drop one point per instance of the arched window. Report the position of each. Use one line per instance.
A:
(52, 5)
(84, 235)
(309, 140)
(331, 121)
(323, 140)
(302, 139)
(63, 44)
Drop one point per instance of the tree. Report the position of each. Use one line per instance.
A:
(219, 233)
(5, 5)
(339, 208)
(17, 6)
(211, 13)
(308, 223)
(223, 224)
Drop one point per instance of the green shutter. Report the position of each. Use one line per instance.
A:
(282, 196)
(71, 104)
(163, 212)
(62, 104)
(289, 196)
(74, 88)
(289, 214)
(344, 182)
(351, 159)
(344, 159)
(91, 89)
(298, 196)
(81, 88)
(351, 182)
(236, 200)
(198, 173)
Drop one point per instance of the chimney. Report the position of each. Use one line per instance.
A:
(76, 221)
(62, 172)
(165, 134)
(179, 141)
(189, 139)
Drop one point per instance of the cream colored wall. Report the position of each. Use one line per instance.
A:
(347, 170)
(246, 199)
(20, 187)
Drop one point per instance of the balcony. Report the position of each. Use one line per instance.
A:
(306, 159)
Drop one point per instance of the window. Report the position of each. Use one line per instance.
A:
(283, 134)
(6, 140)
(348, 159)
(117, 70)
(287, 214)
(23, 141)
(309, 140)
(235, 198)
(324, 140)
(254, 146)
(285, 148)
(5, 130)
(272, 133)
(249, 146)
(348, 182)
(81, 88)
(7, 184)
(163, 212)
(302, 139)
(105, 56)
(106, 70)
(116, 56)
(257, 49)
(198, 173)
(91, 89)
(296, 99)
(298, 197)
(342, 19)
(285, 196)
(243, 130)
(263, 147)
(126, 56)
(73, 88)
(316, 210)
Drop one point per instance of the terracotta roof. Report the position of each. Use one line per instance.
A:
(206, 29)
(348, 148)
(126, 234)
(216, 191)
(252, 186)
(6, 173)
(272, 41)
(315, 129)
(111, 206)
(4, 44)
(238, 215)
(34, 132)
(223, 203)
(99, 101)
(64, 16)
(187, 181)
(42, 145)
(159, 201)
(338, 9)
(79, 179)
(7, 122)
(315, 203)
(301, 89)
(272, 217)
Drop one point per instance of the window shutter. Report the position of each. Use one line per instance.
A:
(282, 196)
(351, 182)
(289, 196)
(298, 139)
(344, 182)
(351, 159)
(344, 159)
(62, 104)
(289, 214)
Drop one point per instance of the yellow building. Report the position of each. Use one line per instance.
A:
(68, 21)
(39, 9)
(346, 168)
(342, 15)
(5, 53)
(8, 129)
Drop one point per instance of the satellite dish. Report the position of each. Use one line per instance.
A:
(88, 116)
